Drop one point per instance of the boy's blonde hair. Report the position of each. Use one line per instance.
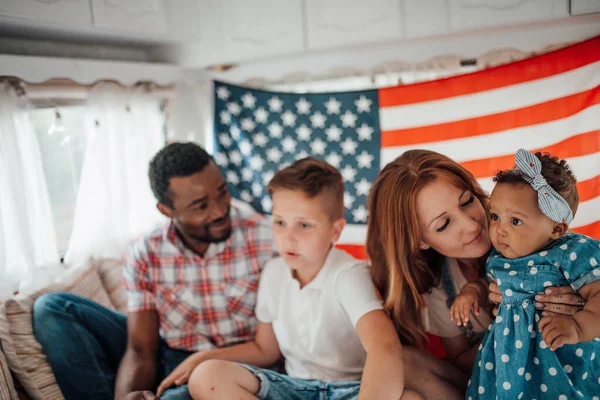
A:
(313, 177)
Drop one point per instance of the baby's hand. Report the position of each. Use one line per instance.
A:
(558, 330)
(467, 300)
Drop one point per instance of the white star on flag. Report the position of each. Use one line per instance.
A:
(360, 214)
(232, 177)
(303, 132)
(256, 163)
(275, 130)
(348, 200)
(365, 160)
(348, 173)
(245, 147)
(249, 100)
(247, 175)
(348, 119)
(318, 146)
(223, 93)
(303, 106)
(362, 187)
(318, 120)
(257, 189)
(275, 104)
(235, 132)
(274, 155)
(261, 115)
(248, 125)
(365, 132)
(301, 155)
(333, 106)
(225, 117)
(267, 176)
(246, 196)
(225, 140)
(234, 108)
(236, 158)
(349, 146)
(363, 104)
(288, 144)
(266, 203)
(220, 159)
(260, 139)
(289, 119)
(334, 159)
(334, 133)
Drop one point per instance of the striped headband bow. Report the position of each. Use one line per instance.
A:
(552, 204)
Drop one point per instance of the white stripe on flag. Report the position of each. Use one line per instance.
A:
(506, 142)
(587, 213)
(354, 234)
(491, 101)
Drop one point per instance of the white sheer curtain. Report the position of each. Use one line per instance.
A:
(27, 237)
(115, 204)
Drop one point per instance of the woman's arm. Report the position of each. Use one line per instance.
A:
(261, 352)
(383, 376)
(460, 353)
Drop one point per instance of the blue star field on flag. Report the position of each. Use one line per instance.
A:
(259, 132)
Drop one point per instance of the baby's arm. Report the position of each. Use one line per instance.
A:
(470, 297)
(583, 326)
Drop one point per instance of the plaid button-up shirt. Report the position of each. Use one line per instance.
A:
(202, 302)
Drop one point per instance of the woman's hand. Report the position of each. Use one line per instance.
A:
(558, 300)
(180, 374)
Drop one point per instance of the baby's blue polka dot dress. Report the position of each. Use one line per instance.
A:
(513, 361)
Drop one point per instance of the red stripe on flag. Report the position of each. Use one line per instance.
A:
(575, 146)
(589, 189)
(356, 250)
(591, 230)
(537, 114)
(543, 66)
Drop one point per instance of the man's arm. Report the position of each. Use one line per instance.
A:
(137, 372)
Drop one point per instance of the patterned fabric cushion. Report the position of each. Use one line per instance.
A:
(7, 387)
(111, 273)
(23, 351)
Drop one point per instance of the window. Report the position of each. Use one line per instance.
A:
(62, 140)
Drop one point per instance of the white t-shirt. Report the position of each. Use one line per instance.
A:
(315, 325)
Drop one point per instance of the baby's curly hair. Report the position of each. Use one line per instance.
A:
(556, 172)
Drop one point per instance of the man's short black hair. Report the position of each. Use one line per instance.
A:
(175, 159)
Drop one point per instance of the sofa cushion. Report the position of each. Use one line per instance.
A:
(7, 386)
(111, 274)
(23, 351)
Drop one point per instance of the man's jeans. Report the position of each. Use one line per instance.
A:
(85, 342)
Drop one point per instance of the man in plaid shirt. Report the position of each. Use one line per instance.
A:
(191, 286)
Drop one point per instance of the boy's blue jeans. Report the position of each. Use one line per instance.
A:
(85, 342)
(275, 386)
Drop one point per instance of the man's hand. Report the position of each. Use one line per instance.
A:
(558, 331)
(141, 395)
(467, 300)
(181, 373)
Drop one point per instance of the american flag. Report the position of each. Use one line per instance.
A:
(548, 103)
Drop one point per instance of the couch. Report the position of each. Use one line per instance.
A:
(24, 369)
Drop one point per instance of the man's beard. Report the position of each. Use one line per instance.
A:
(208, 238)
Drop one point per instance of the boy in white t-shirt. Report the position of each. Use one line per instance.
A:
(317, 306)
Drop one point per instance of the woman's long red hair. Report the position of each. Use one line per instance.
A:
(401, 270)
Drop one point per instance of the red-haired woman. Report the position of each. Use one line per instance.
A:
(427, 238)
